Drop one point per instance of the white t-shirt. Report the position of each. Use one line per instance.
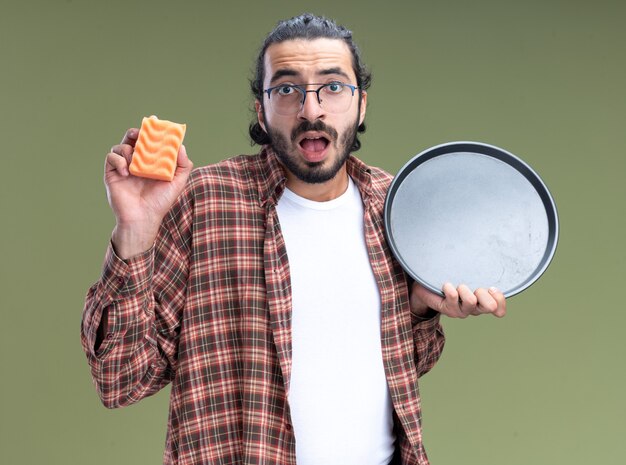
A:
(339, 399)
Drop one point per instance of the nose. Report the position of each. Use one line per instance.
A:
(311, 109)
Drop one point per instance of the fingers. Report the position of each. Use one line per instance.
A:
(118, 159)
(500, 300)
(462, 302)
(130, 137)
(452, 304)
(486, 303)
(490, 301)
(115, 162)
(459, 302)
(124, 149)
(467, 300)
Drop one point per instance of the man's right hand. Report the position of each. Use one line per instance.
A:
(139, 204)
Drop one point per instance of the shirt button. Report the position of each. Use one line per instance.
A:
(288, 426)
(120, 281)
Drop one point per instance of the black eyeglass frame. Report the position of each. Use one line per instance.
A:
(304, 91)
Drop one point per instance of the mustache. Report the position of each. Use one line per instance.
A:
(316, 126)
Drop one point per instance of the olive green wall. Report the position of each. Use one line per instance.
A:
(543, 79)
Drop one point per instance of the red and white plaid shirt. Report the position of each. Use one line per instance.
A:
(208, 308)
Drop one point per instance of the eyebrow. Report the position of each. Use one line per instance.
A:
(281, 73)
(292, 72)
(338, 71)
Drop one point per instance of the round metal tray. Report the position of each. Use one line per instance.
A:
(471, 213)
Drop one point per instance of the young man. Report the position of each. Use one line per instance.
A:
(262, 287)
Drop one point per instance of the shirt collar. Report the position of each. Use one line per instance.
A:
(271, 178)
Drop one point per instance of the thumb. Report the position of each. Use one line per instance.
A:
(425, 298)
(183, 167)
(183, 160)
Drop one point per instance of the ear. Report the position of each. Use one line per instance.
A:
(363, 107)
(259, 114)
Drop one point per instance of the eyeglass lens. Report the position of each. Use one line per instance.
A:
(288, 100)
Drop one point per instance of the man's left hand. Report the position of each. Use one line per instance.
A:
(458, 303)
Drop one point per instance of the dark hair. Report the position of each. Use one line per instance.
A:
(306, 26)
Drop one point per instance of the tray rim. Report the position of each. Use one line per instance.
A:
(497, 153)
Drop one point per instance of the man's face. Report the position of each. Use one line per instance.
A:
(313, 144)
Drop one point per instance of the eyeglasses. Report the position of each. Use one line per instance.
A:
(288, 99)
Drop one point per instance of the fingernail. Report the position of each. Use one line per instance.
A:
(493, 290)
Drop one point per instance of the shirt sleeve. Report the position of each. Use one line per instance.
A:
(144, 297)
(429, 340)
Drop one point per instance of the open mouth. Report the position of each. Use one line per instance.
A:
(314, 146)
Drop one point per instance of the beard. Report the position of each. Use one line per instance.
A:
(313, 172)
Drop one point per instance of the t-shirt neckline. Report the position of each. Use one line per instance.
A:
(291, 196)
